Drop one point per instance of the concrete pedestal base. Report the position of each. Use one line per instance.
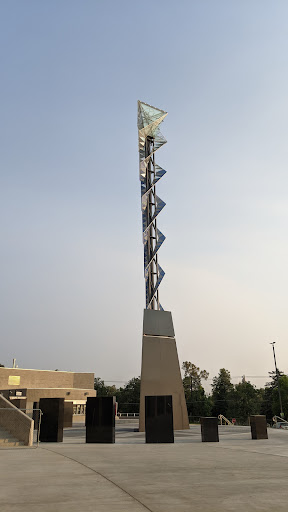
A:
(100, 419)
(68, 415)
(159, 419)
(258, 427)
(209, 430)
(160, 371)
(51, 430)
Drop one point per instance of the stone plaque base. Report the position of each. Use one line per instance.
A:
(68, 414)
(209, 430)
(258, 425)
(51, 429)
(159, 419)
(100, 419)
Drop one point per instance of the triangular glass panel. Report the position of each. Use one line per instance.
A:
(148, 114)
(160, 277)
(159, 206)
(159, 171)
(160, 240)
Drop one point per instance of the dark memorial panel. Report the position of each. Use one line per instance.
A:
(159, 419)
(258, 425)
(68, 414)
(100, 419)
(51, 428)
(209, 430)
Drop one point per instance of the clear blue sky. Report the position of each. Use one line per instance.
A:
(71, 263)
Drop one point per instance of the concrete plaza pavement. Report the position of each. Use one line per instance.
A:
(235, 474)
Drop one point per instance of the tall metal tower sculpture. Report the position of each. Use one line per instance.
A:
(150, 140)
(160, 371)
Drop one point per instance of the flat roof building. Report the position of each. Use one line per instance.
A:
(25, 388)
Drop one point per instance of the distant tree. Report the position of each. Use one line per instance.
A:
(222, 388)
(193, 372)
(198, 403)
(245, 400)
(283, 383)
(128, 397)
(266, 405)
(273, 383)
(103, 390)
(270, 404)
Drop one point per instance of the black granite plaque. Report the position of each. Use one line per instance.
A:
(159, 419)
(258, 425)
(68, 414)
(51, 429)
(100, 419)
(209, 429)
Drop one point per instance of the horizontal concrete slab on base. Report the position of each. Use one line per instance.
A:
(235, 474)
(158, 323)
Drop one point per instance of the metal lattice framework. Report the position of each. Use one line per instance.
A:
(150, 140)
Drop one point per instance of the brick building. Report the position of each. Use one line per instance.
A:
(24, 388)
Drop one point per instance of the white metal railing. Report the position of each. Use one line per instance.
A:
(79, 409)
(275, 418)
(128, 415)
(30, 413)
(226, 421)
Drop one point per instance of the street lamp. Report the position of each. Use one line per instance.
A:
(191, 389)
(277, 376)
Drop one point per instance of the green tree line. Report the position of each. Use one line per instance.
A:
(128, 397)
(237, 401)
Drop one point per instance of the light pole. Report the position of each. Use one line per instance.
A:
(191, 389)
(277, 376)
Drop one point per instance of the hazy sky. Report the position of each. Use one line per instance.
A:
(71, 262)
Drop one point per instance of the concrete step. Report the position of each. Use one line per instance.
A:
(125, 421)
(9, 444)
(7, 440)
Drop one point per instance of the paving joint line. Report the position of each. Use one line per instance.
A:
(242, 449)
(100, 474)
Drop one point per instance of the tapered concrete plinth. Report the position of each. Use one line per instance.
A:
(160, 371)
